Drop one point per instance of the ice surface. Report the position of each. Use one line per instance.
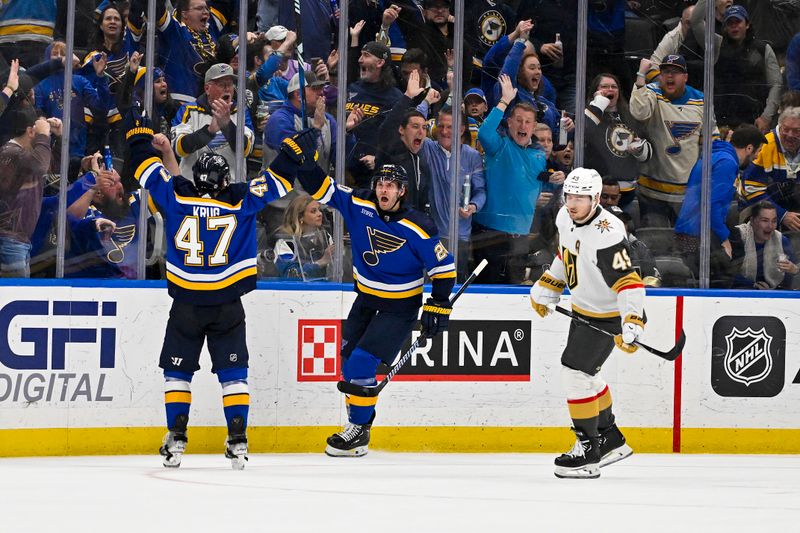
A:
(393, 492)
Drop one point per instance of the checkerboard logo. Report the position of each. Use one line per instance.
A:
(318, 343)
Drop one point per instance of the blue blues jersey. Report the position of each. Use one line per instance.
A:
(392, 252)
(185, 53)
(86, 96)
(90, 255)
(211, 244)
(27, 20)
(115, 71)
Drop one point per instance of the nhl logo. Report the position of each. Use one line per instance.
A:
(748, 359)
(748, 356)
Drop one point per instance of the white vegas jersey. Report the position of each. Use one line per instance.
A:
(594, 262)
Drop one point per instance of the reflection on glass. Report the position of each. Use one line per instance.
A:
(642, 114)
(26, 162)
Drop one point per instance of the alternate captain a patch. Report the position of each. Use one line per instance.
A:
(380, 242)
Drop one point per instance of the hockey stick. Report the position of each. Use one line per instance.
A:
(373, 390)
(301, 74)
(669, 355)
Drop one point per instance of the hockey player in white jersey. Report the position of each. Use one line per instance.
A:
(593, 260)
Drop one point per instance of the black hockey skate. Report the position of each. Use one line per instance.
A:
(175, 443)
(352, 441)
(612, 446)
(236, 444)
(582, 461)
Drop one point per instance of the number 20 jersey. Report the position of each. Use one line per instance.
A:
(211, 244)
(594, 262)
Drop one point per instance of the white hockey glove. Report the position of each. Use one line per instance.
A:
(544, 292)
(632, 330)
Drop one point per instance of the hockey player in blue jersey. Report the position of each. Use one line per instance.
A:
(393, 248)
(211, 263)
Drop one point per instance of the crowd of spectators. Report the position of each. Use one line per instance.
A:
(643, 118)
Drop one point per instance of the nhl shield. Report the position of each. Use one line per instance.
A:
(748, 359)
(748, 356)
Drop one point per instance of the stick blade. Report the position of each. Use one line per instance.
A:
(358, 390)
(674, 352)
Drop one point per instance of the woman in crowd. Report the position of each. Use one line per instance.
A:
(304, 246)
(523, 66)
(613, 144)
(112, 38)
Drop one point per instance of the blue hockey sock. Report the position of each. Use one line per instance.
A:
(177, 397)
(360, 369)
(235, 394)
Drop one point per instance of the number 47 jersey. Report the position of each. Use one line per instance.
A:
(211, 243)
(594, 262)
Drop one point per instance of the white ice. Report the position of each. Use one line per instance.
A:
(394, 492)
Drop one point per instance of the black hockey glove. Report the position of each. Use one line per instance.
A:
(137, 127)
(435, 316)
(302, 148)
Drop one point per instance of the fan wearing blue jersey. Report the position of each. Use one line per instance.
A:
(394, 246)
(211, 263)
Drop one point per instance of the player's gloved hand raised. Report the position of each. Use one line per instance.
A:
(632, 330)
(136, 126)
(544, 292)
(302, 148)
(435, 317)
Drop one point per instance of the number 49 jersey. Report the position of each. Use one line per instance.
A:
(211, 244)
(594, 262)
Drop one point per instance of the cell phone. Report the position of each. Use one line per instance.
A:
(315, 60)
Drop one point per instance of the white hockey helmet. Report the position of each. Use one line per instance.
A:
(584, 181)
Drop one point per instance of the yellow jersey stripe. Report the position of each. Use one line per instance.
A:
(594, 314)
(286, 184)
(179, 146)
(626, 281)
(388, 294)
(444, 275)
(188, 108)
(323, 189)
(217, 13)
(661, 186)
(147, 163)
(364, 203)
(207, 201)
(407, 223)
(17, 29)
(200, 286)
